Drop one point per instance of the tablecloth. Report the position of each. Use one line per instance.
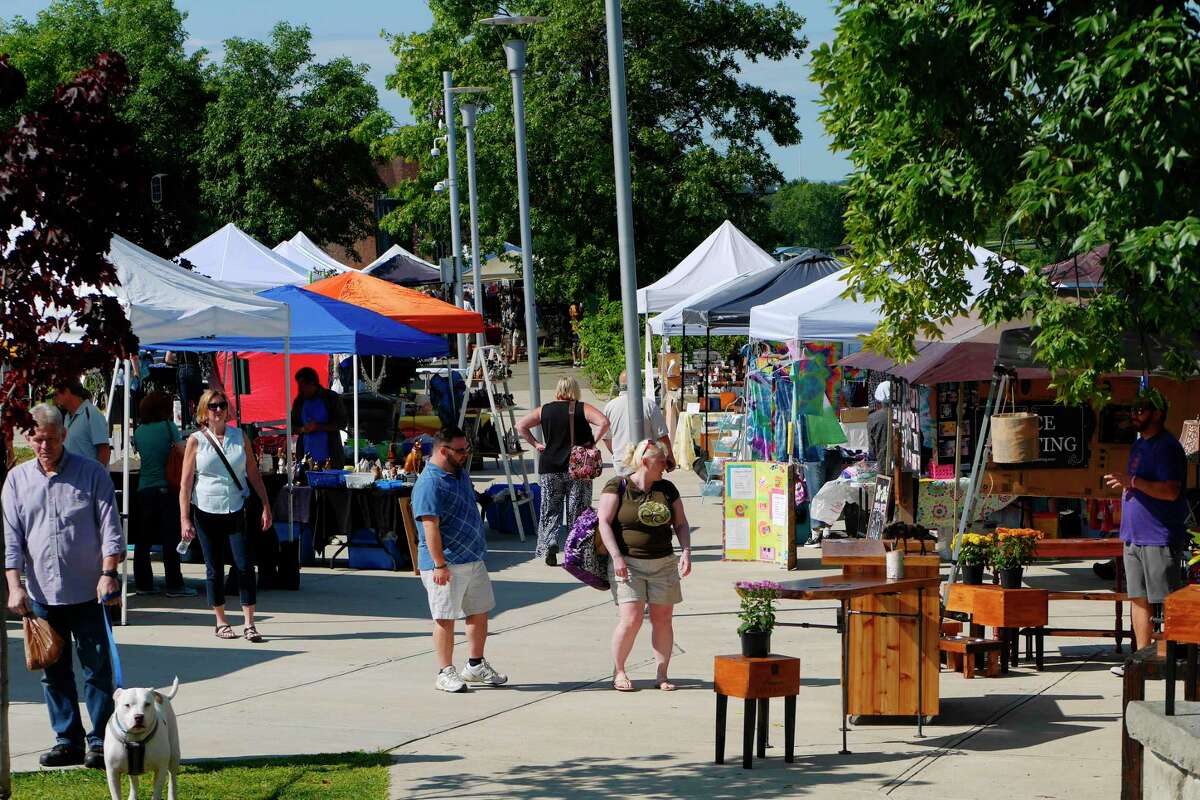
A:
(935, 503)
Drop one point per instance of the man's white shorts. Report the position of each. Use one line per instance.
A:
(468, 592)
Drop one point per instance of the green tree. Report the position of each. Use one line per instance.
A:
(1076, 123)
(809, 214)
(694, 129)
(165, 105)
(287, 141)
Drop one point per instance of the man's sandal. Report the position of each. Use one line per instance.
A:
(252, 635)
(224, 632)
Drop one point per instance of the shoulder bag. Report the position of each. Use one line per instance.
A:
(586, 462)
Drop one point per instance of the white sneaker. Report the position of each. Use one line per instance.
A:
(1118, 670)
(448, 680)
(483, 673)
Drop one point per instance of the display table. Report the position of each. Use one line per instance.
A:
(1007, 611)
(889, 631)
(1080, 549)
(1181, 625)
(935, 503)
(340, 511)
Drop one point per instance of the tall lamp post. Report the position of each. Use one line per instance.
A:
(620, 130)
(469, 109)
(514, 51)
(455, 226)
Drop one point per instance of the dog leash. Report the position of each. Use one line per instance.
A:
(114, 656)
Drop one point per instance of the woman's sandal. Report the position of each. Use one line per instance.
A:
(623, 685)
(666, 686)
(252, 635)
(224, 632)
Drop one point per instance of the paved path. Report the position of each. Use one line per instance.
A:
(348, 666)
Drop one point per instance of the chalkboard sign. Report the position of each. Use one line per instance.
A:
(880, 508)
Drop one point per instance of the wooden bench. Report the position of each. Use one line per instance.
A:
(962, 651)
(1117, 632)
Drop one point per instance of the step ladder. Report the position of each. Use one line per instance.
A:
(506, 426)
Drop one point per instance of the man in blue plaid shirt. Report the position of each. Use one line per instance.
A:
(450, 557)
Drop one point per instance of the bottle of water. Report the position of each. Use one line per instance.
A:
(182, 547)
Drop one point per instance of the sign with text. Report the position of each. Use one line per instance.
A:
(1063, 435)
(760, 513)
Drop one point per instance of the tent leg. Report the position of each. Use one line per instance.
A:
(287, 415)
(354, 380)
(125, 438)
(707, 369)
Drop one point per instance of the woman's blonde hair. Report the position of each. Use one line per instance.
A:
(635, 453)
(567, 389)
(202, 405)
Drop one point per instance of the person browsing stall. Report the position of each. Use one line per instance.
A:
(218, 471)
(618, 439)
(63, 533)
(87, 429)
(450, 555)
(319, 416)
(1153, 513)
(637, 516)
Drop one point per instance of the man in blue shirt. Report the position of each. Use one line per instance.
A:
(319, 416)
(87, 429)
(450, 556)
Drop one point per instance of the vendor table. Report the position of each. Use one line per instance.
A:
(889, 632)
(1076, 548)
(935, 504)
(340, 511)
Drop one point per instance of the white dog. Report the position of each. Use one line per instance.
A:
(142, 736)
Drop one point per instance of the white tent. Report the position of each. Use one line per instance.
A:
(234, 258)
(502, 266)
(819, 312)
(305, 252)
(670, 322)
(725, 253)
(392, 252)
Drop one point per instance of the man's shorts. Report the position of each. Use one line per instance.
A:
(651, 580)
(1151, 572)
(469, 591)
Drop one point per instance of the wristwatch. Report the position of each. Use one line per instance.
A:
(439, 566)
(111, 573)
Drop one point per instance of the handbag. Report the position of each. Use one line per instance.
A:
(585, 462)
(1190, 437)
(43, 645)
(584, 554)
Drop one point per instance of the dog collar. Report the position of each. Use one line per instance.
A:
(124, 732)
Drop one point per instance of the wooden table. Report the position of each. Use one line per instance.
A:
(883, 672)
(1078, 548)
(756, 680)
(1181, 625)
(1005, 610)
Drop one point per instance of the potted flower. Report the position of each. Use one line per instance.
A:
(757, 616)
(974, 553)
(1013, 550)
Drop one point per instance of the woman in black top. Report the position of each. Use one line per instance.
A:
(555, 418)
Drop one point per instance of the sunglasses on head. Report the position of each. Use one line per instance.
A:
(220, 405)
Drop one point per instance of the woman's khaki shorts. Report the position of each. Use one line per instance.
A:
(651, 580)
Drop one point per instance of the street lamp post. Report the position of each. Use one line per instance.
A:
(620, 130)
(455, 226)
(469, 109)
(514, 51)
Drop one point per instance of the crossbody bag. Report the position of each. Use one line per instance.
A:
(228, 467)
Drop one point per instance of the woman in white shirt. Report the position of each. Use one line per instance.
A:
(216, 473)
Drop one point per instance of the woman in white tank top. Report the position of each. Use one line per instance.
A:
(217, 476)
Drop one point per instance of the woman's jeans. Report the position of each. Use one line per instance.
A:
(83, 624)
(222, 535)
(158, 523)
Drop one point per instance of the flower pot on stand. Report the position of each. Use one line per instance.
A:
(972, 574)
(756, 644)
(1010, 577)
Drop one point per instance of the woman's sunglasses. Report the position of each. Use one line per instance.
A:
(220, 405)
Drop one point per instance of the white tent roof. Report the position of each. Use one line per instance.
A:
(725, 253)
(304, 251)
(234, 258)
(819, 312)
(165, 302)
(392, 252)
(670, 322)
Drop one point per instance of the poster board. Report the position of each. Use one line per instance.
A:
(759, 523)
(880, 508)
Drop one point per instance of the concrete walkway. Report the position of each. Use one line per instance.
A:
(348, 666)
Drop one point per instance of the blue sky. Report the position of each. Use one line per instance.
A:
(351, 27)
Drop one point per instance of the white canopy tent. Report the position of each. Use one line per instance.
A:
(725, 253)
(670, 322)
(234, 258)
(819, 311)
(305, 252)
(392, 252)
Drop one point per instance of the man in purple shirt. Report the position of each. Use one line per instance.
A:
(1153, 512)
(61, 529)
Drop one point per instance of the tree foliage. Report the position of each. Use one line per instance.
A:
(809, 214)
(1075, 123)
(65, 177)
(287, 141)
(164, 104)
(694, 129)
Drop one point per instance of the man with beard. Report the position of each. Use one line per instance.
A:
(1153, 512)
(450, 556)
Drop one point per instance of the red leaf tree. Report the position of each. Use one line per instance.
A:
(67, 176)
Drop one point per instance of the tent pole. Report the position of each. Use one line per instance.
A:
(287, 415)
(112, 389)
(704, 399)
(237, 386)
(125, 501)
(354, 381)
